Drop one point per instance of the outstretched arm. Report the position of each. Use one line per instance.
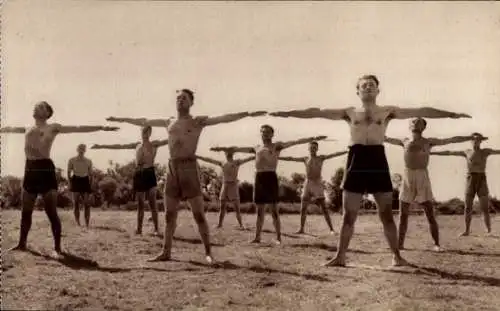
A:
(227, 118)
(142, 121)
(13, 130)
(209, 160)
(115, 146)
(333, 155)
(423, 112)
(292, 159)
(66, 129)
(450, 140)
(448, 153)
(234, 149)
(160, 143)
(331, 114)
(493, 151)
(288, 144)
(393, 141)
(245, 160)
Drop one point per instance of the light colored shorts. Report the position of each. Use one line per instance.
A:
(313, 190)
(230, 192)
(416, 186)
(183, 179)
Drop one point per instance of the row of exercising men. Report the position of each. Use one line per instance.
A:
(367, 170)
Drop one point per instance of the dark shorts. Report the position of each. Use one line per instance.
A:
(476, 183)
(80, 184)
(367, 170)
(266, 188)
(183, 179)
(145, 179)
(39, 176)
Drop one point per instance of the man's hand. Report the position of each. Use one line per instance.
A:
(110, 128)
(278, 114)
(94, 146)
(257, 113)
(112, 119)
(320, 137)
(461, 115)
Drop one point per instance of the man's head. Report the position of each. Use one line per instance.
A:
(185, 99)
(418, 125)
(229, 155)
(81, 149)
(146, 132)
(313, 147)
(477, 139)
(42, 111)
(266, 133)
(367, 87)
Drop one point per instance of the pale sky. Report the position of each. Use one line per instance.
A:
(94, 59)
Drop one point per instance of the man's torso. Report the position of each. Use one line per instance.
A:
(80, 166)
(314, 166)
(368, 126)
(230, 172)
(145, 155)
(416, 153)
(38, 142)
(266, 158)
(476, 160)
(183, 136)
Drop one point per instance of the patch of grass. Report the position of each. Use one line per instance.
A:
(105, 267)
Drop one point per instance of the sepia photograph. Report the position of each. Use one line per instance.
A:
(250, 155)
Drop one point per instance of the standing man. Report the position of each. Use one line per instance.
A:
(230, 192)
(144, 182)
(79, 177)
(416, 186)
(40, 171)
(183, 180)
(266, 186)
(314, 189)
(476, 182)
(367, 170)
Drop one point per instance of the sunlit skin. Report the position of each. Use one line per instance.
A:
(80, 166)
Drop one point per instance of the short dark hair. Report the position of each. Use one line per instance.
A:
(267, 126)
(419, 119)
(49, 108)
(368, 77)
(189, 92)
(314, 143)
(146, 127)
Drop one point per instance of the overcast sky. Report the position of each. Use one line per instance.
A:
(93, 59)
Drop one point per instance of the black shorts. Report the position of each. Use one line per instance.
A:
(367, 170)
(266, 188)
(39, 176)
(80, 184)
(145, 179)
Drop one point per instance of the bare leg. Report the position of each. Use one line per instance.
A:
(50, 202)
(275, 212)
(469, 199)
(484, 205)
(261, 213)
(433, 225)
(28, 201)
(198, 209)
(237, 210)
(303, 215)
(171, 205)
(326, 213)
(154, 209)
(86, 206)
(76, 207)
(351, 202)
(140, 211)
(222, 212)
(384, 205)
(403, 222)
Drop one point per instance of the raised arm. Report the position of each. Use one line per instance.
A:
(334, 155)
(423, 112)
(227, 118)
(292, 159)
(393, 141)
(450, 140)
(234, 149)
(492, 151)
(245, 160)
(142, 121)
(330, 114)
(13, 130)
(209, 160)
(288, 144)
(115, 146)
(66, 129)
(160, 143)
(448, 153)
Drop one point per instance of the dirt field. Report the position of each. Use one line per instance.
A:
(105, 268)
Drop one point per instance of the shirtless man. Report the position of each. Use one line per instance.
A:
(416, 186)
(183, 180)
(367, 170)
(230, 192)
(144, 183)
(314, 190)
(266, 186)
(79, 177)
(476, 182)
(40, 174)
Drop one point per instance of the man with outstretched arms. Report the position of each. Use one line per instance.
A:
(367, 170)
(40, 172)
(416, 185)
(79, 177)
(230, 193)
(144, 182)
(314, 189)
(476, 182)
(183, 180)
(266, 186)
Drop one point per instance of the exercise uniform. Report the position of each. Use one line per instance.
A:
(230, 189)
(266, 186)
(416, 184)
(476, 181)
(80, 180)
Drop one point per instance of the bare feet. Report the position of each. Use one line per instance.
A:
(301, 231)
(156, 233)
(332, 232)
(399, 262)
(209, 259)
(57, 255)
(161, 257)
(466, 233)
(335, 262)
(138, 232)
(19, 247)
(255, 241)
(242, 228)
(436, 248)
(277, 242)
